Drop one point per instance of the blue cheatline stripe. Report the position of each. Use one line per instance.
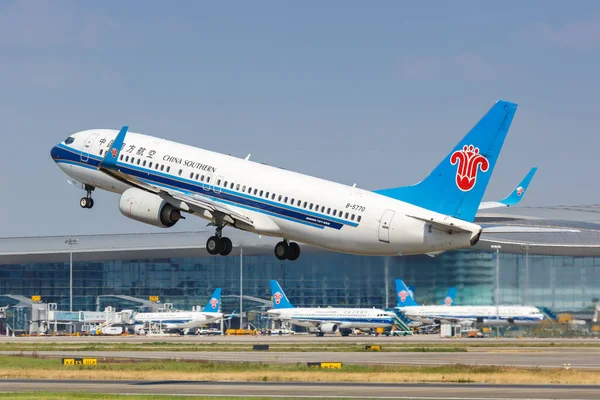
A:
(166, 321)
(343, 320)
(485, 317)
(71, 156)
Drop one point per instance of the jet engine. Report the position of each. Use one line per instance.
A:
(148, 208)
(328, 328)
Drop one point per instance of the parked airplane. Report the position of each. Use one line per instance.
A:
(160, 180)
(178, 321)
(329, 319)
(515, 197)
(481, 315)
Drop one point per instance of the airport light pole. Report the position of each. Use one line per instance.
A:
(497, 247)
(71, 242)
(241, 286)
(526, 247)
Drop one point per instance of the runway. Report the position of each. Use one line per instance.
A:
(534, 357)
(309, 390)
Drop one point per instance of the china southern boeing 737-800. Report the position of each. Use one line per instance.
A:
(160, 181)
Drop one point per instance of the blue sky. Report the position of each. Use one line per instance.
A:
(374, 93)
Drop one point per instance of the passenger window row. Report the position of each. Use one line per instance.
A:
(288, 200)
(144, 163)
(249, 190)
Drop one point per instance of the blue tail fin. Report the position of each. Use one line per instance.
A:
(517, 194)
(404, 295)
(450, 296)
(214, 304)
(280, 300)
(456, 186)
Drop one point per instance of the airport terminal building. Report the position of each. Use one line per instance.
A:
(559, 270)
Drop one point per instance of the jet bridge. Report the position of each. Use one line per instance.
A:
(22, 315)
(123, 302)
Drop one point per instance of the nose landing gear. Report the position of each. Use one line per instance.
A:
(87, 201)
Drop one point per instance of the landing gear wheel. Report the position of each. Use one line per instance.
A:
(226, 246)
(282, 250)
(294, 251)
(213, 245)
(86, 202)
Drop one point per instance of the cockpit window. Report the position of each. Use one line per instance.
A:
(69, 140)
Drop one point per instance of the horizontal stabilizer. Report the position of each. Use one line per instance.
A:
(440, 225)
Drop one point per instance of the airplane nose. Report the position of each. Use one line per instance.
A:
(54, 153)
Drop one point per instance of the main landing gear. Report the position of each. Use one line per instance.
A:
(219, 244)
(287, 250)
(87, 201)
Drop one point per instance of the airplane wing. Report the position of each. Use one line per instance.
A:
(516, 195)
(194, 203)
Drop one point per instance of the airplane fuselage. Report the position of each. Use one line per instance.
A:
(178, 320)
(483, 315)
(344, 318)
(280, 203)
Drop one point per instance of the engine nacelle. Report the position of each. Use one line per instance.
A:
(328, 328)
(148, 208)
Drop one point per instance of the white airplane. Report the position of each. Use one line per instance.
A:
(160, 181)
(178, 321)
(468, 315)
(327, 319)
(514, 197)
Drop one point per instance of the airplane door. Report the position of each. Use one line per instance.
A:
(384, 225)
(87, 145)
(207, 181)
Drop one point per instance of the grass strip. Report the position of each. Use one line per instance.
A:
(44, 368)
(446, 346)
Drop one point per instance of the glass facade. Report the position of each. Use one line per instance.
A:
(560, 283)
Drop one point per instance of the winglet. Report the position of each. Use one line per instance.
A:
(112, 155)
(280, 300)
(214, 304)
(517, 194)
